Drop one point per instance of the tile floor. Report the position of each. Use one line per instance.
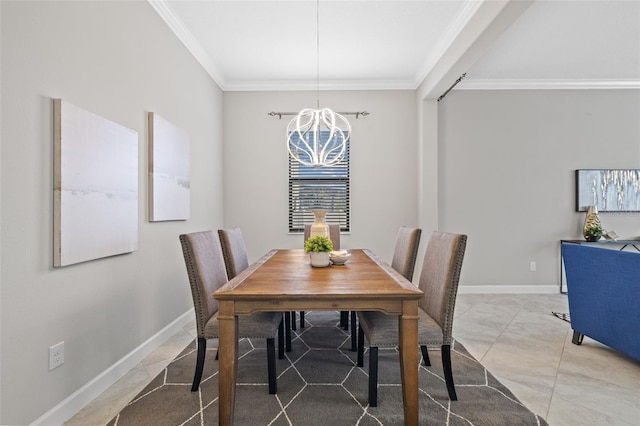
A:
(514, 336)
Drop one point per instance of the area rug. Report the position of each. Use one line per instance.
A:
(320, 384)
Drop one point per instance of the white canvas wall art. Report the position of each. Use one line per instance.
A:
(169, 171)
(95, 186)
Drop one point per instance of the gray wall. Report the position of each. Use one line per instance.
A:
(120, 61)
(506, 174)
(384, 164)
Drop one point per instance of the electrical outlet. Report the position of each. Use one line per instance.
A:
(532, 266)
(56, 355)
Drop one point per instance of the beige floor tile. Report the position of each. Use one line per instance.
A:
(537, 374)
(599, 395)
(536, 401)
(566, 413)
(601, 362)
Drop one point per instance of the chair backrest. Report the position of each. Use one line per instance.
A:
(439, 278)
(334, 235)
(234, 251)
(406, 251)
(206, 271)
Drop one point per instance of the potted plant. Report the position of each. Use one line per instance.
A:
(318, 248)
(593, 232)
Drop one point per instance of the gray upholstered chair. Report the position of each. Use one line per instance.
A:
(404, 261)
(234, 251)
(439, 282)
(334, 236)
(206, 270)
(236, 260)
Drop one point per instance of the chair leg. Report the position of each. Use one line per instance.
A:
(448, 374)
(354, 347)
(293, 320)
(271, 366)
(577, 338)
(287, 330)
(425, 356)
(281, 340)
(373, 376)
(360, 347)
(202, 351)
(344, 319)
(301, 319)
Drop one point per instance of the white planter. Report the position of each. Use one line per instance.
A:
(319, 259)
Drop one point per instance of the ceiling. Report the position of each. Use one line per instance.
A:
(396, 44)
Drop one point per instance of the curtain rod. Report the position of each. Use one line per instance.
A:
(452, 86)
(280, 114)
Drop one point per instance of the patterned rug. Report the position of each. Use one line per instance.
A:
(320, 384)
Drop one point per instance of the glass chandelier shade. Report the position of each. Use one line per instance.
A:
(318, 137)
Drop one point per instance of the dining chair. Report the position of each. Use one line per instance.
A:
(439, 282)
(234, 251)
(404, 261)
(206, 270)
(236, 260)
(334, 236)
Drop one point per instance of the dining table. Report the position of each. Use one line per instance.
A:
(283, 280)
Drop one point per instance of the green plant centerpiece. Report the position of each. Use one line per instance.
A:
(318, 248)
(318, 244)
(593, 232)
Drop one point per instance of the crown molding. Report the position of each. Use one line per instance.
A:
(451, 33)
(545, 84)
(185, 36)
(306, 85)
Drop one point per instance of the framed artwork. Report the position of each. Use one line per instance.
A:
(610, 190)
(95, 186)
(169, 171)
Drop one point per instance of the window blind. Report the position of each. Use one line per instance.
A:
(319, 188)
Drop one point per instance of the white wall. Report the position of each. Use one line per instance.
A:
(118, 60)
(506, 174)
(384, 164)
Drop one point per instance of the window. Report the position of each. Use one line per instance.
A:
(319, 188)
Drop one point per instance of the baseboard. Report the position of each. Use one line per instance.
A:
(509, 289)
(87, 393)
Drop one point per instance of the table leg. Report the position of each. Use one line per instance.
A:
(408, 334)
(227, 362)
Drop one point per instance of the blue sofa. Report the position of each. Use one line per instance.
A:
(603, 287)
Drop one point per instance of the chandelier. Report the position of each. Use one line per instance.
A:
(318, 137)
(315, 137)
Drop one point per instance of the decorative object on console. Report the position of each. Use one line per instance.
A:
(608, 190)
(318, 248)
(592, 229)
(593, 233)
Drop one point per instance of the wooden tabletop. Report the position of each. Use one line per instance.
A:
(288, 274)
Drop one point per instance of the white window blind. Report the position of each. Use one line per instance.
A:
(319, 188)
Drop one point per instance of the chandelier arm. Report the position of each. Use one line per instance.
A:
(303, 130)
